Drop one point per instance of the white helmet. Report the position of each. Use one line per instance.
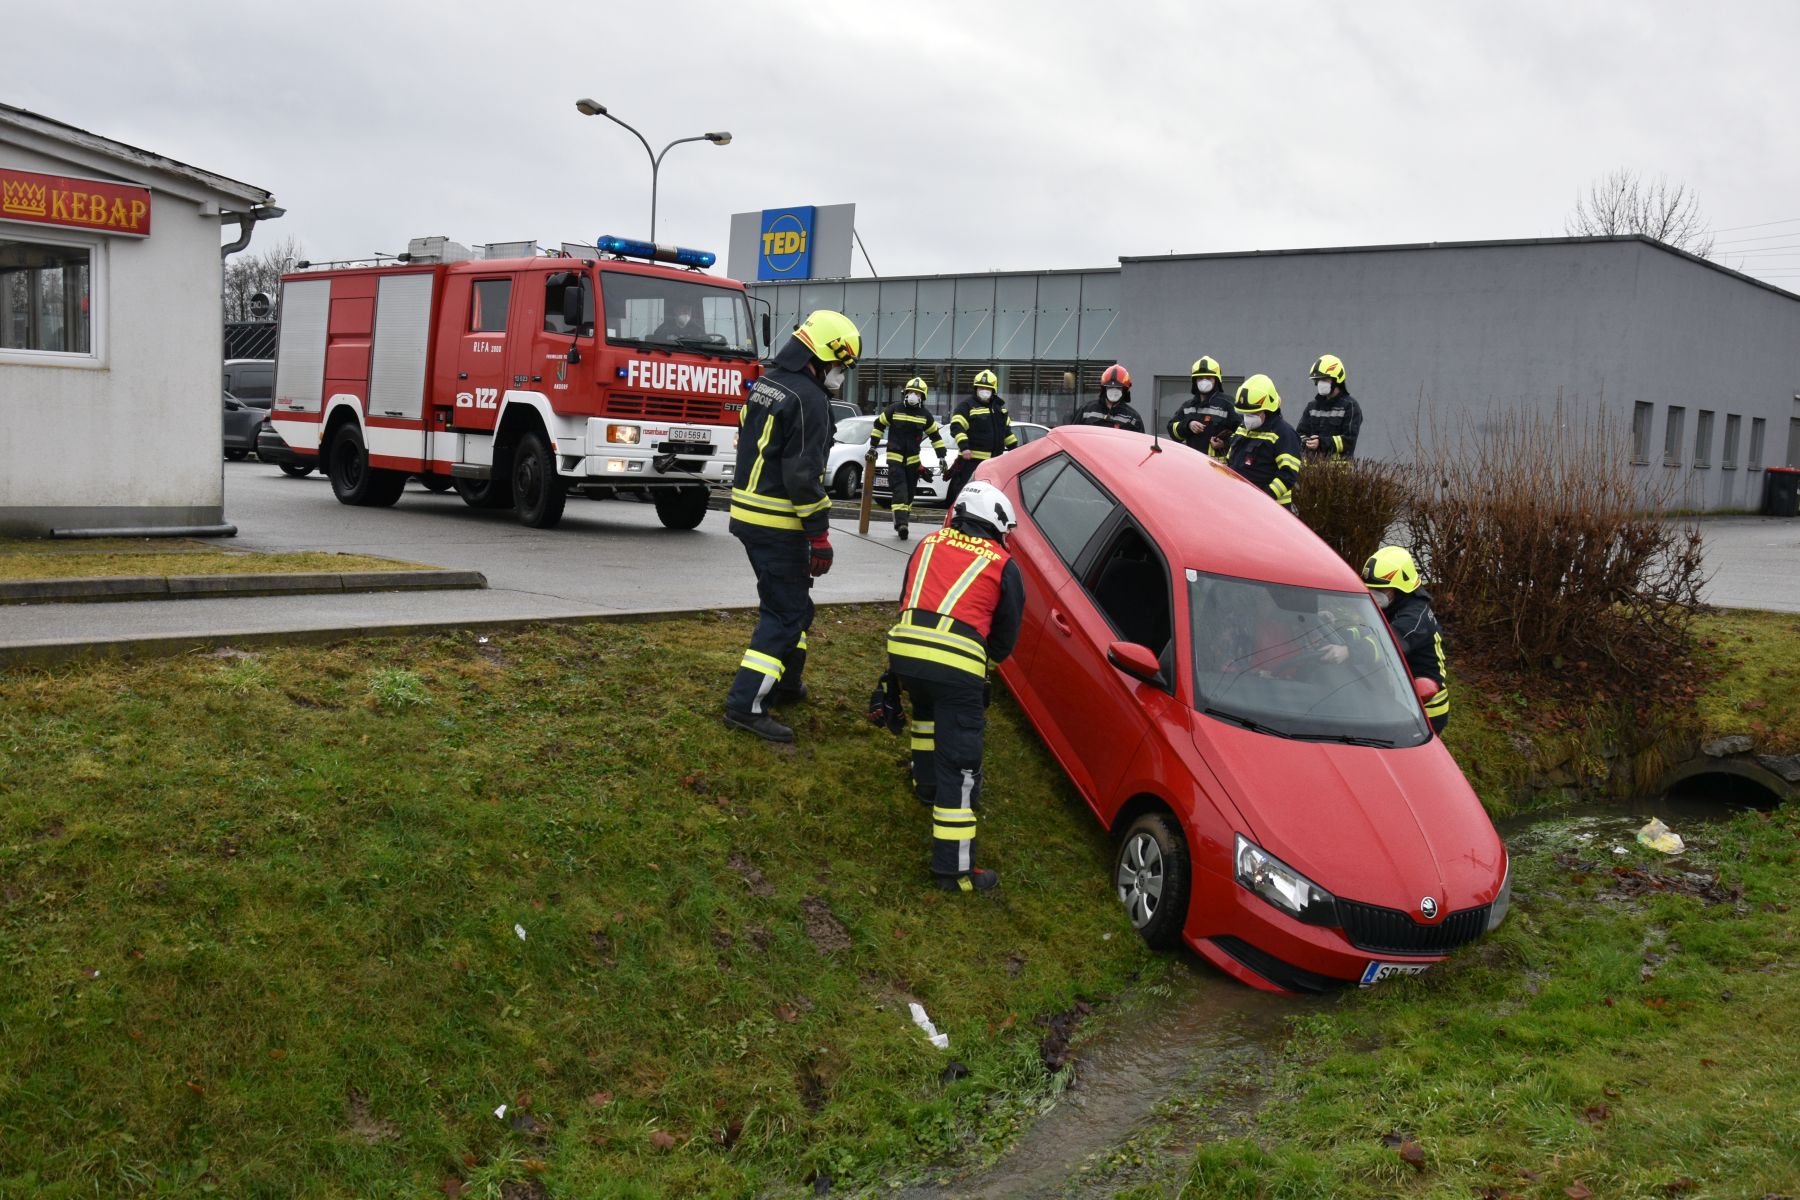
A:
(985, 502)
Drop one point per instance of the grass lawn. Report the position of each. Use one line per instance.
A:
(87, 558)
(300, 922)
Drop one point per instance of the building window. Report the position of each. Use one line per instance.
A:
(1703, 426)
(1643, 416)
(47, 299)
(487, 310)
(1756, 444)
(1734, 426)
(1672, 436)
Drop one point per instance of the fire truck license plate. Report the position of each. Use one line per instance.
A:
(690, 435)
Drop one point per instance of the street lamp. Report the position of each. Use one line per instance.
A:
(593, 108)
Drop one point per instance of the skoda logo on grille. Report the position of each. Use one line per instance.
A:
(1428, 906)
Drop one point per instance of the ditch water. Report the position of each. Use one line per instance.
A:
(1209, 1041)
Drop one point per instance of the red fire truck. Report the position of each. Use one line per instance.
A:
(517, 380)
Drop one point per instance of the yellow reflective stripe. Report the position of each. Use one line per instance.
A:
(1337, 442)
(956, 641)
(1280, 491)
(980, 412)
(953, 833)
(924, 726)
(953, 816)
(943, 658)
(959, 419)
(912, 599)
(1287, 460)
(1438, 705)
(1240, 431)
(802, 645)
(807, 510)
(751, 516)
(762, 444)
(756, 660)
(948, 603)
(924, 743)
(775, 504)
(981, 454)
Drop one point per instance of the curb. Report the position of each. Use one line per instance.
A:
(50, 653)
(189, 587)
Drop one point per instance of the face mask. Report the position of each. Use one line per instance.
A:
(682, 319)
(1253, 421)
(912, 400)
(1383, 597)
(834, 378)
(1324, 387)
(1205, 386)
(983, 394)
(1113, 394)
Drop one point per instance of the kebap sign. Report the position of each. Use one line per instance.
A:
(118, 208)
(786, 244)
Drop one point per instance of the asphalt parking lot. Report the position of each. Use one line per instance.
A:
(610, 557)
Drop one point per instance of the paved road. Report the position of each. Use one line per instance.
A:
(609, 557)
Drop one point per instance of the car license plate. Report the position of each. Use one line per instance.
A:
(880, 474)
(1375, 972)
(690, 435)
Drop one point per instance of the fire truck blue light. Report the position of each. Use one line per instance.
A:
(631, 248)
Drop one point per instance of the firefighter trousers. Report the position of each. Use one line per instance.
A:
(903, 482)
(947, 724)
(776, 659)
(960, 470)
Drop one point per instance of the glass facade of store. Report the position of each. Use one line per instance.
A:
(1048, 335)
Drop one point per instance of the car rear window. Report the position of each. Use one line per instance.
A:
(1068, 507)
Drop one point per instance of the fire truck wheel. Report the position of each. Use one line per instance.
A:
(484, 493)
(353, 480)
(297, 470)
(538, 491)
(681, 508)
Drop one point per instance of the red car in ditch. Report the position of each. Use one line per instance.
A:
(1229, 701)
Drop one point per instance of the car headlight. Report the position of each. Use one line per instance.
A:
(1282, 886)
(1502, 900)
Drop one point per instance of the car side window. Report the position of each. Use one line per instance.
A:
(1070, 510)
(487, 305)
(1033, 483)
(1130, 586)
(255, 383)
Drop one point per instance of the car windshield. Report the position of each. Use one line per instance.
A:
(1299, 662)
(649, 310)
(853, 431)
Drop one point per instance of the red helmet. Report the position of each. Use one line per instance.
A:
(1115, 376)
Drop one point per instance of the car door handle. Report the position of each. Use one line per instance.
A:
(1062, 623)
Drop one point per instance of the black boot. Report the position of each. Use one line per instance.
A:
(979, 880)
(900, 530)
(794, 695)
(761, 724)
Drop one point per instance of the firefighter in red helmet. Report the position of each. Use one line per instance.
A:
(1112, 408)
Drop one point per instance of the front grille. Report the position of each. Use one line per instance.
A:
(1390, 931)
(696, 410)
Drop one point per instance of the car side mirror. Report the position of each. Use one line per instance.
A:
(1136, 661)
(768, 334)
(572, 306)
(1424, 688)
(573, 356)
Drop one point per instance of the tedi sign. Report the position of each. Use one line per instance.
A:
(786, 250)
(117, 208)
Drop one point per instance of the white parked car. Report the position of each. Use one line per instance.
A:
(844, 464)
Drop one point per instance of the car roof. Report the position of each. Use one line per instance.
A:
(1200, 512)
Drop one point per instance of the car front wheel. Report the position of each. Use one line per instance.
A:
(1153, 877)
(297, 470)
(847, 483)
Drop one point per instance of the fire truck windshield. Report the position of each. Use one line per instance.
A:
(647, 310)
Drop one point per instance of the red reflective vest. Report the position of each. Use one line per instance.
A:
(947, 607)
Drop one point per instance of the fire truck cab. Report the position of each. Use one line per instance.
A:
(519, 379)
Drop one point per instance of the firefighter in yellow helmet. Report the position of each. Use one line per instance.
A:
(907, 425)
(780, 512)
(1205, 422)
(1332, 420)
(1263, 447)
(982, 429)
(1392, 578)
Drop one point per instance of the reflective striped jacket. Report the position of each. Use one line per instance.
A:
(1336, 423)
(982, 427)
(960, 607)
(1422, 640)
(784, 435)
(907, 429)
(1269, 458)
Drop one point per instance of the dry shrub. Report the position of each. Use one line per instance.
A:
(1352, 505)
(1539, 541)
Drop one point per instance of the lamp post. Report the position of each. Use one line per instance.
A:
(593, 108)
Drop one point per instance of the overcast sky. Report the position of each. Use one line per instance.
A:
(971, 136)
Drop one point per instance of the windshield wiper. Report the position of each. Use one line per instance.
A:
(1346, 739)
(1245, 722)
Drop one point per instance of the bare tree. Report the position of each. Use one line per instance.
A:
(247, 274)
(1622, 203)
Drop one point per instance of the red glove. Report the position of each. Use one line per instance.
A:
(820, 545)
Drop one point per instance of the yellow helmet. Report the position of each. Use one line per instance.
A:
(831, 336)
(1392, 567)
(1207, 365)
(916, 384)
(987, 379)
(1330, 366)
(1257, 394)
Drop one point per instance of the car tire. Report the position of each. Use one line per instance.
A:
(236, 455)
(436, 483)
(1153, 878)
(847, 483)
(297, 470)
(484, 493)
(353, 480)
(539, 493)
(682, 508)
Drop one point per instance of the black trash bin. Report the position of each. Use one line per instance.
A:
(1781, 491)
